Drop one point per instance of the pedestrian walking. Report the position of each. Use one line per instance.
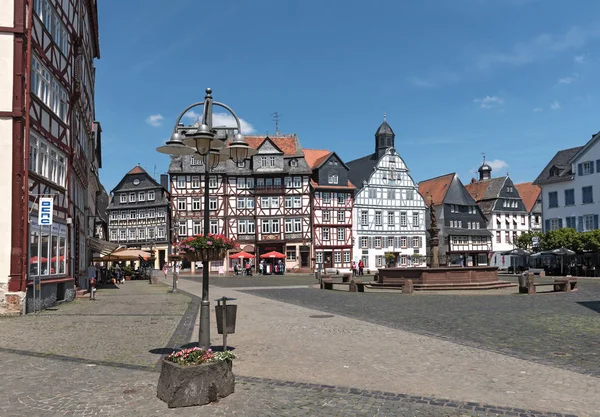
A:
(353, 268)
(361, 267)
(165, 269)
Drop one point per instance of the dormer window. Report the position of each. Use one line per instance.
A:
(332, 178)
(554, 172)
(294, 163)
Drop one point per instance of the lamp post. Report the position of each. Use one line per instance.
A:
(213, 145)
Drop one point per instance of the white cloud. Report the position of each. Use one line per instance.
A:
(555, 105)
(155, 120)
(488, 101)
(569, 79)
(420, 82)
(541, 47)
(538, 109)
(497, 164)
(580, 59)
(223, 119)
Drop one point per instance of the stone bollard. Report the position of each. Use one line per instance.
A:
(530, 285)
(353, 287)
(408, 287)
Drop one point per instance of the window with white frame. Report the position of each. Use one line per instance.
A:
(152, 213)
(341, 216)
(271, 161)
(151, 232)
(122, 234)
(113, 235)
(409, 194)
(132, 234)
(372, 192)
(415, 219)
(214, 227)
(151, 196)
(390, 241)
(182, 230)
(346, 256)
(377, 242)
(416, 242)
(197, 227)
(391, 218)
(195, 203)
(33, 153)
(379, 261)
(325, 233)
(213, 203)
(142, 233)
(195, 181)
(391, 194)
(364, 218)
(326, 216)
(341, 234)
(265, 202)
(132, 197)
(290, 253)
(293, 225)
(297, 202)
(402, 218)
(133, 214)
(377, 218)
(195, 161)
(181, 182)
(332, 178)
(181, 204)
(588, 222)
(337, 257)
(161, 212)
(48, 89)
(241, 203)
(44, 155)
(141, 196)
(403, 241)
(297, 182)
(554, 224)
(114, 215)
(160, 232)
(341, 198)
(249, 202)
(326, 198)
(123, 215)
(364, 242)
(319, 257)
(274, 202)
(270, 226)
(288, 202)
(213, 182)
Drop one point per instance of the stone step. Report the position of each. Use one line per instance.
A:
(473, 286)
(82, 294)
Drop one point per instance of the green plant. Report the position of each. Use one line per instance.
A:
(198, 356)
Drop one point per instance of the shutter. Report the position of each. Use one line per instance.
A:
(592, 167)
(370, 243)
(595, 222)
(580, 169)
(580, 223)
(547, 222)
(397, 242)
(560, 223)
(409, 242)
(597, 165)
(420, 242)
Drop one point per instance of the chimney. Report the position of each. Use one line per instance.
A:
(164, 181)
(473, 180)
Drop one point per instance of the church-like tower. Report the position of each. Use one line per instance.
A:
(384, 138)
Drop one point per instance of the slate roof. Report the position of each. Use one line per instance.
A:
(102, 205)
(146, 181)
(349, 186)
(361, 169)
(561, 161)
(436, 188)
(385, 129)
(529, 193)
(595, 138)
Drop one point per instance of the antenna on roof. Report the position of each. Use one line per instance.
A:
(483, 153)
(384, 117)
(276, 117)
(154, 174)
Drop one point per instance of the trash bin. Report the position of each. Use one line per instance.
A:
(230, 312)
(523, 280)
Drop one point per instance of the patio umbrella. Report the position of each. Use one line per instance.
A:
(35, 260)
(273, 254)
(516, 252)
(242, 255)
(562, 252)
(127, 255)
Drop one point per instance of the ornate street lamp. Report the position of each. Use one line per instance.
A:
(210, 143)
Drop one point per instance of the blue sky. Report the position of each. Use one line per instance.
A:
(516, 79)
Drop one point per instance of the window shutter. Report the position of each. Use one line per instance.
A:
(396, 242)
(560, 223)
(592, 167)
(420, 241)
(595, 221)
(580, 223)
(580, 169)
(598, 165)
(370, 242)
(547, 222)
(409, 242)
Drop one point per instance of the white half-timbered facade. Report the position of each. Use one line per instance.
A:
(55, 143)
(332, 209)
(263, 202)
(389, 212)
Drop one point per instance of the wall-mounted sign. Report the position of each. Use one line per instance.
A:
(46, 209)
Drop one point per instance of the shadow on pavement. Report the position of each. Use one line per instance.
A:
(592, 305)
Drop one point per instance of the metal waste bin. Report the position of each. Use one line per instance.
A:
(523, 281)
(230, 314)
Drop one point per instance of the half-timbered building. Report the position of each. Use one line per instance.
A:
(389, 213)
(139, 214)
(262, 202)
(332, 209)
(463, 236)
(51, 144)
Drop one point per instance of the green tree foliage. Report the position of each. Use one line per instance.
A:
(525, 240)
(568, 238)
(590, 241)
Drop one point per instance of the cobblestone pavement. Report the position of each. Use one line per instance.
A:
(256, 280)
(558, 329)
(50, 387)
(98, 358)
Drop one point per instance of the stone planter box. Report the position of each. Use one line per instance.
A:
(184, 386)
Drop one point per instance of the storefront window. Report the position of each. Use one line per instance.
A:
(62, 241)
(47, 249)
(34, 260)
(44, 254)
(54, 259)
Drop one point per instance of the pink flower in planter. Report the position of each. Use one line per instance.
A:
(208, 242)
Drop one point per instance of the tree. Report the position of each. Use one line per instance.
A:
(590, 241)
(568, 238)
(525, 240)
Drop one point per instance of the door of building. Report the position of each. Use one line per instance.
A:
(328, 259)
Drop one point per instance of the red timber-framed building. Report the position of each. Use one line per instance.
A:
(263, 202)
(51, 145)
(332, 207)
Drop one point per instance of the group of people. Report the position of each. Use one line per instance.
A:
(358, 269)
(246, 270)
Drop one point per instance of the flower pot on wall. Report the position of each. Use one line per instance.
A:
(188, 385)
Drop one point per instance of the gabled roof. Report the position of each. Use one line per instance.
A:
(348, 186)
(137, 170)
(146, 181)
(315, 157)
(529, 193)
(560, 161)
(436, 188)
(287, 144)
(360, 169)
(595, 138)
(486, 189)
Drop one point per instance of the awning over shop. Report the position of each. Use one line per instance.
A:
(101, 246)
